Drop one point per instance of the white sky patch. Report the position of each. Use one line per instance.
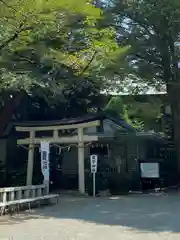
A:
(132, 86)
(148, 92)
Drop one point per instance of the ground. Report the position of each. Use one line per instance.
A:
(135, 217)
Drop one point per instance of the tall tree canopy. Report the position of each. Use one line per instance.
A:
(55, 49)
(151, 28)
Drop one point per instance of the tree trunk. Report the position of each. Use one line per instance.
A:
(98, 3)
(171, 77)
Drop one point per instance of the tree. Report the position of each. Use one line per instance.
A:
(117, 109)
(152, 29)
(54, 50)
(145, 111)
(40, 32)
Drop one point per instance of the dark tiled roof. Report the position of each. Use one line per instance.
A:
(121, 122)
(65, 121)
(82, 119)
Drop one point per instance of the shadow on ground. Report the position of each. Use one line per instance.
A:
(140, 212)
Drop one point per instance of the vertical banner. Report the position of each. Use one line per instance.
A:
(45, 160)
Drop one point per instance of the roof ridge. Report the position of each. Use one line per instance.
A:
(120, 121)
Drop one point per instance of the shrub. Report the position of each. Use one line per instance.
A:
(102, 183)
(119, 183)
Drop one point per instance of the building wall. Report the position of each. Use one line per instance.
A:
(141, 150)
(107, 128)
(90, 130)
(124, 156)
(70, 161)
(132, 164)
(3, 151)
(3, 143)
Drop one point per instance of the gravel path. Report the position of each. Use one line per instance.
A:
(135, 217)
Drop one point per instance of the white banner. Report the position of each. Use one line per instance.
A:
(45, 160)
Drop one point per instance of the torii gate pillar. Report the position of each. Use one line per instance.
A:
(30, 159)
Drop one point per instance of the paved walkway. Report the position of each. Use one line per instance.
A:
(135, 217)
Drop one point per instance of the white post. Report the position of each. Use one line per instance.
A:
(93, 161)
(81, 161)
(55, 134)
(46, 184)
(94, 184)
(30, 159)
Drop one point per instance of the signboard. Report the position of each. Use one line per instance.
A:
(94, 160)
(45, 160)
(149, 170)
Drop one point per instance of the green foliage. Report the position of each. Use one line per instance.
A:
(117, 109)
(46, 44)
(145, 114)
(119, 183)
(151, 29)
(142, 112)
(56, 51)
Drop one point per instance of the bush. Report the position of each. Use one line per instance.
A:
(119, 183)
(135, 182)
(102, 183)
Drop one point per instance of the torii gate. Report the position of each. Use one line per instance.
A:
(80, 139)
